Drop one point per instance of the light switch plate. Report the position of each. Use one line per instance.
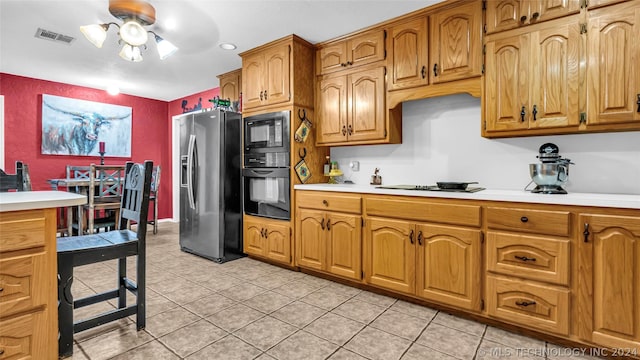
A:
(354, 165)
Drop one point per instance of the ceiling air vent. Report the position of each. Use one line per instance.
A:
(54, 36)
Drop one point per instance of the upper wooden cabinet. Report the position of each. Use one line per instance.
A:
(351, 108)
(509, 14)
(271, 72)
(609, 299)
(231, 85)
(408, 50)
(613, 76)
(357, 50)
(456, 48)
(532, 78)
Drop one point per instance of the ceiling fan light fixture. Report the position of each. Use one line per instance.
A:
(95, 33)
(131, 53)
(133, 33)
(165, 48)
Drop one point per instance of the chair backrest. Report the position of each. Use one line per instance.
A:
(13, 181)
(78, 172)
(155, 180)
(135, 196)
(105, 182)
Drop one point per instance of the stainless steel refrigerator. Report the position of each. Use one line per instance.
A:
(211, 184)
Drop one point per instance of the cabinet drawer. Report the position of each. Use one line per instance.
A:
(18, 279)
(529, 304)
(417, 210)
(22, 230)
(330, 201)
(527, 220)
(532, 257)
(17, 337)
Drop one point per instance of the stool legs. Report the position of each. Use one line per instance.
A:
(65, 307)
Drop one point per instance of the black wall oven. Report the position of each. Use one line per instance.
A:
(266, 172)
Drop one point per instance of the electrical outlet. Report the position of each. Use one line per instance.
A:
(354, 165)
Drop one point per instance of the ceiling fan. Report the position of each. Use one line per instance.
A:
(133, 36)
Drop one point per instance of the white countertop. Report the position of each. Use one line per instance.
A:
(29, 200)
(576, 199)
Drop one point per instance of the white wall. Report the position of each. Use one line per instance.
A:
(441, 142)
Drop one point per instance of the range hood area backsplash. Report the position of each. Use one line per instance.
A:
(441, 142)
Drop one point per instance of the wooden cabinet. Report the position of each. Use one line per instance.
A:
(509, 14)
(528, 257)
(267, 238)
(327, 240)
(231, 85)
(351, 109)
(266, 75)
(456, 48)
(408, 54)
(432, 261)
(28, 296)
(532, 79)
(609, 298)
(613, 76)
(358, 50)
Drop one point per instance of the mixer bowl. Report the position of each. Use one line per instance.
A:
(548, 174)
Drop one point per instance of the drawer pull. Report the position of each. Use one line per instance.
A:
(328, 224)
(524, 258)
(1, 289)
(325, 203)
(524, 219)
(322, 224)
(1, 351)
(525, 303)
(411, 236)
(420, 237)
(586, 232)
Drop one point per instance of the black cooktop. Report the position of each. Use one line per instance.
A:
(429, 188)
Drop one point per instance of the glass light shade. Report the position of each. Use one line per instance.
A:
(133, 33)
(95, 33)
(165, 48)
(131, 53)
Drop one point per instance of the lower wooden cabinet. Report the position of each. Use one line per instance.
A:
(329, 241)
(435, 262)
(267, 238)
(609, 285)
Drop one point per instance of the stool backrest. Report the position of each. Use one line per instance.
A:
(135, 196)
(13, 181)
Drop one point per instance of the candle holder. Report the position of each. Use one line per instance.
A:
(101, 157)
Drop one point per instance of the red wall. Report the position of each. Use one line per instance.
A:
(150, 133)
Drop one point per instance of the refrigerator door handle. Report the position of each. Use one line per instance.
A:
(190, 168)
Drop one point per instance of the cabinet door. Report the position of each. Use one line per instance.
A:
(278, 243)
(254, 242)
(613, 77)
(332, 110)
(230, 85)
(507, 83)
(310, 238)
(609, 284)
(253, 85)
(390, 254)
(505, 14)
(366, 48)
(277, 81)
(408, 49)
(547, 10)
(344, 245)
(331, 58)
(366, 105)
(554, 75)
(455, 43)
(448, 269)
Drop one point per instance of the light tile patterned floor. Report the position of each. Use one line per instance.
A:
(246, 309)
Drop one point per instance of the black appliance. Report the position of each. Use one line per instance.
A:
(267, 168)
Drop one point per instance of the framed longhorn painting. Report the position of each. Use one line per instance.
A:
(76, 127)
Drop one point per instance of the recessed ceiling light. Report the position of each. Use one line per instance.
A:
(228, 46)
(113, 90)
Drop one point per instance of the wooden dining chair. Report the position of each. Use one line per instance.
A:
(117, 244)
(14, 182)
(153, 196)
(103, 199)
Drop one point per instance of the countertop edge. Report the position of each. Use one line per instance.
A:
(620, 201)
(32, 200)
